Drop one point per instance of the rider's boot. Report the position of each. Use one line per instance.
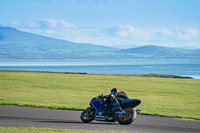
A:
(119, 110)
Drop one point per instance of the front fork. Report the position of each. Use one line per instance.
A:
(89, 110)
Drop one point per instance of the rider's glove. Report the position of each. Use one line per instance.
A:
(107, 96)
(101, 96)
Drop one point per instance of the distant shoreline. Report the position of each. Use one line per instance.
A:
(138, 75)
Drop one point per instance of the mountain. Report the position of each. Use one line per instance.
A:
(158, 52)
(15, 45)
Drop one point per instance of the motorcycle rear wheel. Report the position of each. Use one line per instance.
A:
(88, 115)
(128, 118)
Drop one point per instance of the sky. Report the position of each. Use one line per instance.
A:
(113, 23)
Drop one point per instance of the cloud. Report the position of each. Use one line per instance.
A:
(50, 31)
(56, 28)
(134, 33)
(177, 37)
(45, 23)
(130, 31)
(166, 32)
(115, 36)
(33, 25)
(187, 34)
(55, 24)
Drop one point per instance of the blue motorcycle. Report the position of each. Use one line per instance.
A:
(99, 111)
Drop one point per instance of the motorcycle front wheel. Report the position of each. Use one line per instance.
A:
(128, 118)
(88, 114)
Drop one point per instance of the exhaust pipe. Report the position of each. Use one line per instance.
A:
(138, 111)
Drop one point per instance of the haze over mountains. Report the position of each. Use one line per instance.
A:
(16, 45)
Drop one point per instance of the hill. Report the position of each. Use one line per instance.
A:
(158, 52)
(15, 45)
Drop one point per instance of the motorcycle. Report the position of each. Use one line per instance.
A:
(99, 111)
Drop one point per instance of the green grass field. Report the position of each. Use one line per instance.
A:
(48, 130)
(159, 96)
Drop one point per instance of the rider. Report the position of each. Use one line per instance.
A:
(114, 99)
(121, 96)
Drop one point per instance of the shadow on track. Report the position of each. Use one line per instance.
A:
(79, 122)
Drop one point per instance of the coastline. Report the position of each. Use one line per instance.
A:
(137, 75)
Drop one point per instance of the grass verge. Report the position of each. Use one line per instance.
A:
(48, 130)
(159, 96)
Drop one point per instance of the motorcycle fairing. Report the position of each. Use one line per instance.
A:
(130, 103)
(97, 104)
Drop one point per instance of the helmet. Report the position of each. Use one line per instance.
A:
(114, 91)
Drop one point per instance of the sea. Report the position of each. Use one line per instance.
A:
(185, 68)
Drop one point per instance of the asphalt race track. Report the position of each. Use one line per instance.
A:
(11, 116)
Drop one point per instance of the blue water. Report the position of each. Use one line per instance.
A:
(190, 68)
